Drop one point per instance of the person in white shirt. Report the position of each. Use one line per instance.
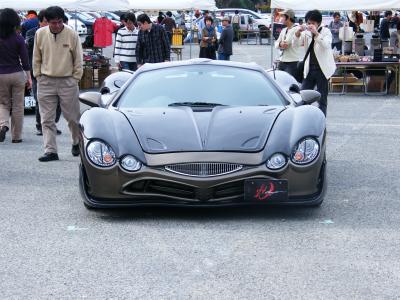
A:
(319, 63)
(125, 45)
(289, 50)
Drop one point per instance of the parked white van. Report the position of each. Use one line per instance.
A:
(257, 19)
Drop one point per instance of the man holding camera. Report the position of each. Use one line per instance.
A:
(319, 64)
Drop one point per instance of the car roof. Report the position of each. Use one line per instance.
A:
(202, 61)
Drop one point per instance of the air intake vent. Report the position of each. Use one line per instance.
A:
(204, 169)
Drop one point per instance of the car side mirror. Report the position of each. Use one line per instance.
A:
(309, 96)
(92, 99)
(294, 88)
(119, 83)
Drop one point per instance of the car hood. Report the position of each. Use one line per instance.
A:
(224, 128)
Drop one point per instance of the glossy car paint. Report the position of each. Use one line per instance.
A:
(281, 129)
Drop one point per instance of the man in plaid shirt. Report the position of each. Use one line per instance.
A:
(152, 45)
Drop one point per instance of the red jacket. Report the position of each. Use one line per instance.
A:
(103, 29)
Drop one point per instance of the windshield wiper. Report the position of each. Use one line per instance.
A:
(196, 104)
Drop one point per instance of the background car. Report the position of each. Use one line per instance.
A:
(86, 19)
(76, 24)
(249, 138)
(259, 20)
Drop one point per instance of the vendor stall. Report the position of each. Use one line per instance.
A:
(373, 77)
(368, 68)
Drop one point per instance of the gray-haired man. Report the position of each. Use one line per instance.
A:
(57, 65)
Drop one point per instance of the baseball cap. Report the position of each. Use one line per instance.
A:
(288, 12)
(226, 19)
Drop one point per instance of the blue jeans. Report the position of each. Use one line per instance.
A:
(128, 65)
(222, 56)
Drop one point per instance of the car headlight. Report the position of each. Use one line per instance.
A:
(276, 161)
(305, 151)
(100, 154)
(130, 163)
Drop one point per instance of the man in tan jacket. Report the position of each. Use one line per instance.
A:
(57, 65)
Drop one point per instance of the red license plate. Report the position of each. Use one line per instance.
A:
(266, 190)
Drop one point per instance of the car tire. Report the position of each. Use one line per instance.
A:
(323, 192)
(82, 187)
(88, 206)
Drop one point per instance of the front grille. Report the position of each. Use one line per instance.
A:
(231, 189)
(178, 190)
(204, 169)
(168, 188)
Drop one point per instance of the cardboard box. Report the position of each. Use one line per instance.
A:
(86, 81)
(375, 83)
(103, 73)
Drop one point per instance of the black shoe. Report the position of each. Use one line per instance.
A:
(16, 141)
(75, 150)
(48, 157)
(59, 132)
(39, 132)
(3, 131)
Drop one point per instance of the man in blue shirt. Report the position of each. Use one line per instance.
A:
(31, 21)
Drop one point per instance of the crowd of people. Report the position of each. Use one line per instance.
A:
(315, 68)
(45, 55)
(128, 52)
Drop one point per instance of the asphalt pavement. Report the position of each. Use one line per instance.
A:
(54, 248)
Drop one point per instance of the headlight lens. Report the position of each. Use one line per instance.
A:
(130, 163)
(305, 151)
(101, 154)
(276, 161)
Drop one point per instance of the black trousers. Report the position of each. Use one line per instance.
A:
(38, 118)
(315, 77)
(338, 46)
(289, 67)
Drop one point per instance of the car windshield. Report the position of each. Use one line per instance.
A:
(186, 85)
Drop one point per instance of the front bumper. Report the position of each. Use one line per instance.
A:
(154, 186)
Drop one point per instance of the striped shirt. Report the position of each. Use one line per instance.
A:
(125, 45)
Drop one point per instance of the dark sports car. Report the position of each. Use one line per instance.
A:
(203, 133)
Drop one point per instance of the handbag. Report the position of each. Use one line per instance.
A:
(300, 65)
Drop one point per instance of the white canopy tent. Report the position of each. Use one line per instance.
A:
(172, 4)
(337, 5)
(101, 5)
(72, 5)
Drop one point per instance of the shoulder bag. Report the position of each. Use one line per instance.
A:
(300, 65)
